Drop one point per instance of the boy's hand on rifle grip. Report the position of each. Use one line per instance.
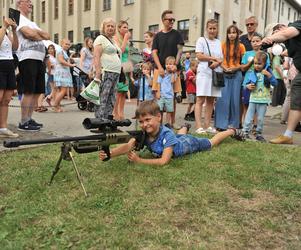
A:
(133, 157)
(102, 155)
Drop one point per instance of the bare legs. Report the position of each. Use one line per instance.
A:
(219, 137)
(28, 103)
(119, 106)
(58, 98)
(5, 97)
(293, 118)
(200, 100)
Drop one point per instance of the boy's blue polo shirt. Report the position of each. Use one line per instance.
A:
(182, 144)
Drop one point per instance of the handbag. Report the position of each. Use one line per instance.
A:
(217, 77)
(91, 92)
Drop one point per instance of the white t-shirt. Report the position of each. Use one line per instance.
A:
(6, 49)
(110, 60)
(29, 49)
(53, 63)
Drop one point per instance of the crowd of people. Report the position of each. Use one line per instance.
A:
(253, 76)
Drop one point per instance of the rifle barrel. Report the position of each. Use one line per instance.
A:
(17, 143)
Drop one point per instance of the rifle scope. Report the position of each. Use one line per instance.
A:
(91, 123)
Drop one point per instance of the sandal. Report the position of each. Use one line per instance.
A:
(48, 100)
(41, 109)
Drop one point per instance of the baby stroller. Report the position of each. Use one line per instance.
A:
(84, 79)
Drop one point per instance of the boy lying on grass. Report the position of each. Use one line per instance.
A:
(163, 142)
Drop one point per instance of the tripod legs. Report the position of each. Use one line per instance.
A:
(79, 178)
(66, 154)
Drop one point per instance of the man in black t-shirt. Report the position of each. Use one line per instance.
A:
(292, 38)
(167, 42)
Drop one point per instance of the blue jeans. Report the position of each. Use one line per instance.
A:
(227, 108)
(258, 108)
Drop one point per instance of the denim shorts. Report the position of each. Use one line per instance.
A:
(166, 104)
(190, 144)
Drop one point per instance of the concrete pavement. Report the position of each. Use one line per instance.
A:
(69, 122)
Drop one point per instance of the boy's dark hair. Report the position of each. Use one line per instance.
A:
(165, 12)
(147, 108)
(262, 56)
(257, 35)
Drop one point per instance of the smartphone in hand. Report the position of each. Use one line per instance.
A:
(14, 15)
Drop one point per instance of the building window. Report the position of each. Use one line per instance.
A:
(87, 5)
(289, 14)
(127, 2)
(183, 28)
(234, 22)
(70, 7)
(153, 28)
(56, 9)
(282, 8)
(11, 1)
(56, 38)
(70, 35)
(250, 5)
(106, 4)
(262, 8)
(87, 32)
(295, 16)
(236, 1)
(216, 16)
(43, 12)
(275, 5)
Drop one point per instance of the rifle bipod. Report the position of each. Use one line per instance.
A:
(66, 154)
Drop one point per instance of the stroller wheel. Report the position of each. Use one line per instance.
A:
(91, 107)
(82, 105)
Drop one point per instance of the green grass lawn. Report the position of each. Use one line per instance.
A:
(237, 196)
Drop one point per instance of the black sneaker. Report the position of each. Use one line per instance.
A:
(239, 135)
(260, 138)
(27, 126)
(33, 122)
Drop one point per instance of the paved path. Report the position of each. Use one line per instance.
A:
(69, 123)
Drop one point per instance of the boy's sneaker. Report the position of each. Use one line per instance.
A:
(247, 137)
(239, 135)
(33, 122)
(27, 126)
(260, 138)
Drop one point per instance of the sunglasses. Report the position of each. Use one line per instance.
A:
(170, 19)
(250, 24)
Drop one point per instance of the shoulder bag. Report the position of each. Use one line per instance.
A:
(217, 77)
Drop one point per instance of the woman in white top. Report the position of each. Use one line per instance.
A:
(209, 53)
(86, 59)
(8, 43)
(107, 66)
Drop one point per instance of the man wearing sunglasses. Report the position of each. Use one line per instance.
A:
(251, 25)
(167, 42)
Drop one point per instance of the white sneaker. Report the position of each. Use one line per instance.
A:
(211, 130)
(8, 134)
(200, 131)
